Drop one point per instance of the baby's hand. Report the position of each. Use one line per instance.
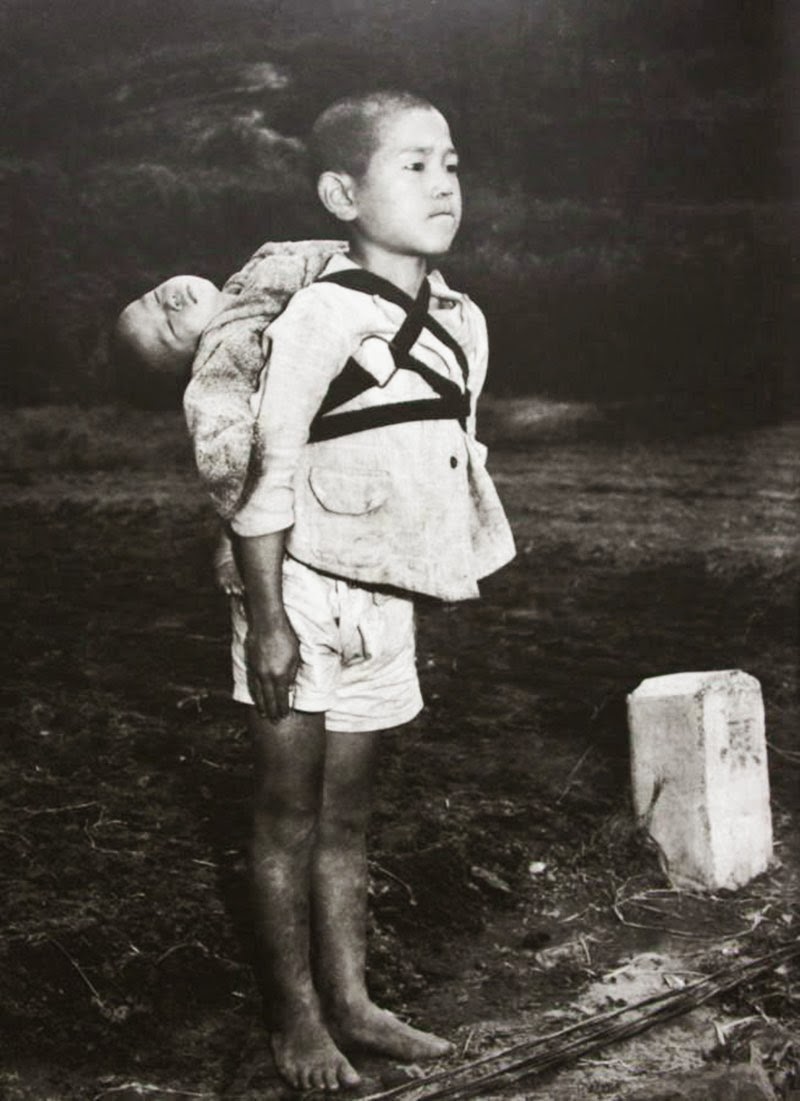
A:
(227, 577)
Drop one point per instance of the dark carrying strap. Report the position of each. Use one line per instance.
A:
(451, 403)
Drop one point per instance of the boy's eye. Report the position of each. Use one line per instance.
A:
(416, 166)
(453, 167)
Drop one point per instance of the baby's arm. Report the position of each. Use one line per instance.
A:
(226, 573)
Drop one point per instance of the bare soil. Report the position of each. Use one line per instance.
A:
(507, 874)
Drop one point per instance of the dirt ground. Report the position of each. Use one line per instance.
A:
(508, 878)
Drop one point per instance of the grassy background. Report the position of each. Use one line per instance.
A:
(626, 168)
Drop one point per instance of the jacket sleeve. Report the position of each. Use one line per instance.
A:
(308, 346)
(479, 362)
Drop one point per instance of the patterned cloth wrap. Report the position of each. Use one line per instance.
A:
(228, 364)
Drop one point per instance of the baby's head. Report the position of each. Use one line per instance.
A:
(386, 166)
(161, 330)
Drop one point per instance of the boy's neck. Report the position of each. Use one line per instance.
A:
(406, 272)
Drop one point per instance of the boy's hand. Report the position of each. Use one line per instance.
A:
(273, 657)
(272, 651)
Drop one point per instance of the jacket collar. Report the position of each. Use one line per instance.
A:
(439, 288)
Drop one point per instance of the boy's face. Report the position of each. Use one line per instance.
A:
(408, 202)
(166, 323)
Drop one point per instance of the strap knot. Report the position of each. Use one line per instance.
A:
(451, 403)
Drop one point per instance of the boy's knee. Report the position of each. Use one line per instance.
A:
(282, 822)
(343, 823)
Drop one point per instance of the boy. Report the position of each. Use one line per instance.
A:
(372, 489)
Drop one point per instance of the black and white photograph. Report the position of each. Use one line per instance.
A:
(400, 459)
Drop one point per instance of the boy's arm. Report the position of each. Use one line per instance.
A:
(479, 362)
(272, 650)
(309, 345)
(308, 348)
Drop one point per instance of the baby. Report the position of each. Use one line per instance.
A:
(162, 330)
(164, 326)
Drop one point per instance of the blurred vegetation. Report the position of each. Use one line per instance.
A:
(71, 439)
(626, 172)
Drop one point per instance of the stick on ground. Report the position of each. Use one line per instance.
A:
(532, 1057)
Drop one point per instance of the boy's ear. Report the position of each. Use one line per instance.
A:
(337, 195)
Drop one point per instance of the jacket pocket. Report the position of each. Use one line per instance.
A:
(349, 492)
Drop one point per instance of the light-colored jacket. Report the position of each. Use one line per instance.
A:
(410, 505)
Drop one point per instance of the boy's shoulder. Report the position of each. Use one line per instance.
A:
(321, 306)
(329, 306)
(283, 266)
(456, 311)
(446, 297)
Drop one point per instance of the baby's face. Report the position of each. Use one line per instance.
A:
(409, 200)
(166, 323)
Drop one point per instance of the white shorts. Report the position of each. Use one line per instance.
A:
(357, 651)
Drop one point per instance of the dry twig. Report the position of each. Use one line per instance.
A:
(787, 754)
(34, 812)
(143, 1088)
(573, 772)
(88, 982)
(380, 870)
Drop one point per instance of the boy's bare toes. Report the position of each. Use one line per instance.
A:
(348, 1075)
(307, 1058)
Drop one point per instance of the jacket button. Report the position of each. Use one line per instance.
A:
(453, 461)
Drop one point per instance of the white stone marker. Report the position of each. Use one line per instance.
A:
(700, 780)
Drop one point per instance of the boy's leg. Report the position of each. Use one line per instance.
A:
(288, 769)
(339, 891)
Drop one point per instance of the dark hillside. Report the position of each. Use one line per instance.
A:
(626, 170)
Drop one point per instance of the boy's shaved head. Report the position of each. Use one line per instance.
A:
(346, 134)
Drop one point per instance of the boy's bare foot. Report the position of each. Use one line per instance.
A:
(306, 1056)
(369, 1026)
